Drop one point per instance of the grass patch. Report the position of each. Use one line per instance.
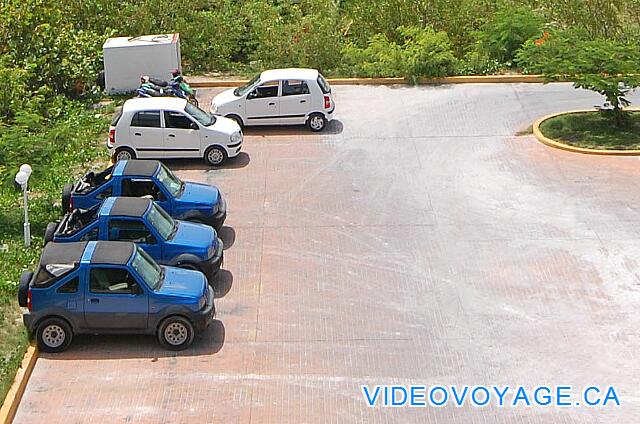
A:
(57, 150)
(594, 130)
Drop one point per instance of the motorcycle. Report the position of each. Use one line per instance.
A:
(177, 86)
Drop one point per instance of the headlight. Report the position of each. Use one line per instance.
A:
(214, 107)
(203, 302)
(236, 137)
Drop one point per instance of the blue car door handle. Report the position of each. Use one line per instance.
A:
(94, 300)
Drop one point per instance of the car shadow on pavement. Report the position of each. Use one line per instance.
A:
(333, 127)
(96, 347)
(228, 236)
(222, 283)
(187, 164)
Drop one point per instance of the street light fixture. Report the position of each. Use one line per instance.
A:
(22, 179)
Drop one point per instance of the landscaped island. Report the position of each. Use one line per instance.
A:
(594, 130)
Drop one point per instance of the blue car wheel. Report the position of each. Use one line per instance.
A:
(54, 335)
(176, 333)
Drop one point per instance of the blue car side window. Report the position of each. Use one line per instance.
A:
(112, 281)
(107, 192)
(90, 235)
(70, 286)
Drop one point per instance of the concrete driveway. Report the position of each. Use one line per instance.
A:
(417, 241)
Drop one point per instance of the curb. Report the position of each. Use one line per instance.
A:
(562, 146)
(210, 83)
(14, 396)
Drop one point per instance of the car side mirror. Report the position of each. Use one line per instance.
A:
(193, 126)
(136, 289)
(150, 239)
(252, 95)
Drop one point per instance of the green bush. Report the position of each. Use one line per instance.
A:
(423, 52)
(504, 33)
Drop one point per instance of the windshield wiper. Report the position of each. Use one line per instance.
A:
(160, 279)
(173, 230)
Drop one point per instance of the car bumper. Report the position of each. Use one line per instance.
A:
(216, 220)
(203, 318)
(211, 266)
(29, 320)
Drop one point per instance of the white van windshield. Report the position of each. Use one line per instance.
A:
(241, 91)
(200, 115)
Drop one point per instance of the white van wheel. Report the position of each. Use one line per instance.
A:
(215, 155)
(316, 122)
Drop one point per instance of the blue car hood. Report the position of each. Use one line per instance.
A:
(183, 283)
(194, 238)
(202, 194)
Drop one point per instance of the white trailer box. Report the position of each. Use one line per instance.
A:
(127, 58)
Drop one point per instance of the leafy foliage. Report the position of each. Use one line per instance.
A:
(608, 67)
(504, 33)
(423, 52)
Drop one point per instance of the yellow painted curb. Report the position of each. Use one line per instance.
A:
(391, 81)
(12, 401)
(558, 145)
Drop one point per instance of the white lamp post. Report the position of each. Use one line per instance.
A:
(22, 178)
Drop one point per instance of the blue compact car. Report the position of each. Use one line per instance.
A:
(148, 178)
(139, 220)
(112, 287)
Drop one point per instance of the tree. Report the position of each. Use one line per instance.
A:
(608, 67)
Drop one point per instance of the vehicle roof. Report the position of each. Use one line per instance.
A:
(62, 253)
(289, 73)
(155, 103)
(140, 168)
(127, 206)
(112, 252)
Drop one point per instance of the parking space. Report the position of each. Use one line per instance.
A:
(416, 241)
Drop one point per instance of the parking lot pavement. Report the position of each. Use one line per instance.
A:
(417, 241)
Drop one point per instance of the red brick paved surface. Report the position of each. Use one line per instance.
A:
(416, 242)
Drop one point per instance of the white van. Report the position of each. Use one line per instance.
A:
(169, 127)
(279, 97)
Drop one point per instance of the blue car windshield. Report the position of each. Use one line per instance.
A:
(170, 181)
(162, 222)
(147, 268)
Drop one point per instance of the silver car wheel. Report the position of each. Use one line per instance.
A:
(215, 156)
(316, 122)
(53, 336)
(124, 155)
(176, 334)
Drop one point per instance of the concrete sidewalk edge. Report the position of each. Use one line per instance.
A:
(14, 396)
(199, 82)
(562, 146)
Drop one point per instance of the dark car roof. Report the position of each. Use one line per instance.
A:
(112, 252)
(62, 253)
(130, 206)
(141, 168)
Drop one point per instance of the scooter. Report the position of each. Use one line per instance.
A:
(154, 87)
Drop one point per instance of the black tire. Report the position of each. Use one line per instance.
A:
(237, 119)
(123, 153)
(66, 197)
(54, 335)
(215, 156)
(23, 288)
(49, 232)
(316, 122)
(175, 333)
(101, 81)
(189, 265)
